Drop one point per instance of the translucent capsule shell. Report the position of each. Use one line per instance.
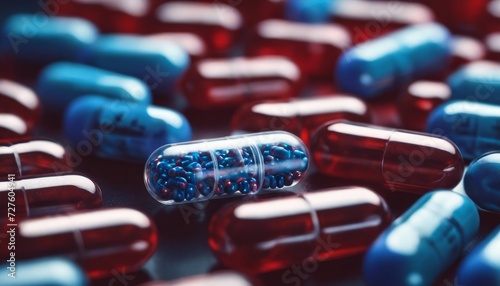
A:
(322, 225)
(201, 170)
(20, 101)
(397, 160)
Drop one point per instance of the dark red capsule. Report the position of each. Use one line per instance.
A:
(328, 224)
(192, 43)
(103, 242)
(21, 101)
(492, 42)
(212, 83)
(397, 160)
(315, 48)
(466, 50)
(299, 116)
(12, 126)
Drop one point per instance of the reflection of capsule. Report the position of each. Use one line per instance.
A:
(199, 170)
(37, 196)
(387, 63)
(474, 127)
(122, 130)
(21, 101)
(423, 242)
(61, 83)
(192, 43)
(13, 126)
(158, 66)
(99, 241)
(299, 116)
(47, 271)
(34, 157)
(33, 40)
(395, 159)
(213, 279)
(482, 265)
(481, 182)
(315, 48)
(328, 224)
(217, 23)
(420, 98)
(477, 81)
(230, 82)
(466, 50)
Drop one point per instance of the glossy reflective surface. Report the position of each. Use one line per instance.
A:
(398, 160)
(229, 82)
(12, 126)
(482, 183)
(327, 224)
(21, 101)
(466, 50)
(477, 81)
(192, 43)
(213, 279)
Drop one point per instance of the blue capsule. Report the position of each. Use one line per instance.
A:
(61, 83)
(311, 11)
(482, 265)
(389, 62)
(423, 242)
(482, 182)
(473, 127)
(43, 272)
(158, 66)
(477, 81)
(41, 39)
(122, 130)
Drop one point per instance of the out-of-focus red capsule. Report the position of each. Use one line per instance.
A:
(100, 241)
(490, 20)
(230, 278)
(420, 98)
(492, 42)
(258, 10)
(12, 126)
(371, 19)
(192, 43)
(233, 81)
(463, 15)
(217, 23)
(111, 16)
(328, 224)
(466, 50)
(299, 116)
(38, 196)
(32, 157)
(315, 48)
(397, 160)
(21, 101)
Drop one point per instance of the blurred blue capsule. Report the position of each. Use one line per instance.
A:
(482, 182)
(477, 81)
(311, 11)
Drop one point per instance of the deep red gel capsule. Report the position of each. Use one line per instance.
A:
(38, 196)
(192, 43)
(398, 160)
(420, 98)
(21, 101)
(315, 48)
(12, 126)
(299, 116)
(277, 233)
(111, 16)
(217, 23)
(100, 241)
(466, 50)
(34, 157)
(211, 83)
(258, 10)
(492, 42)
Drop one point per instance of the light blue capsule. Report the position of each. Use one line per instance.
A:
(311, 11)
(159, 66)
(482, 265)
(473, 127)
(39, 38)
(122, 130)
(389, 62)
(423, 242)
(43, 272)
(61, 83)
(482, 181)
(477, 81)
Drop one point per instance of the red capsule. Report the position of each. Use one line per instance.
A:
(371, 19)
(466, 50)
(329, 224)
(21, 101)
(103, 242)
(12, 126)
(299, 116)
(233, 81)
(258, 10)
(38, 196)
(315, 48)
(492, 42)
(420, 98)
(192, 43)
(34, 157)
(394, 159)
(217, 23)
(490, 19)
(125, 16)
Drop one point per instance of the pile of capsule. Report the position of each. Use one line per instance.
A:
(378, 100)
